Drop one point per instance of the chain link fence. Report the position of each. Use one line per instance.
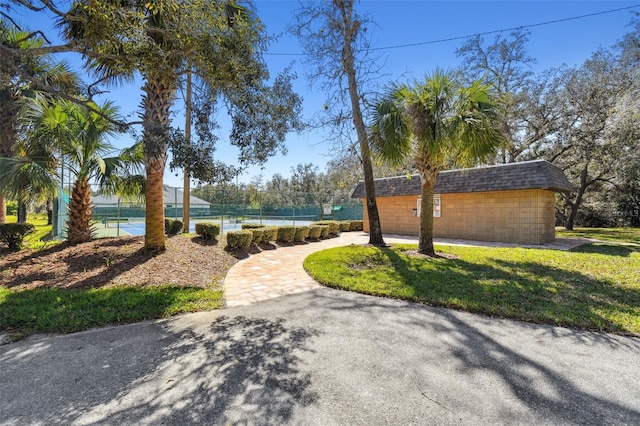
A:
(224, 206)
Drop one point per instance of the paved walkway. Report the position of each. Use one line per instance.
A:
(275, 273)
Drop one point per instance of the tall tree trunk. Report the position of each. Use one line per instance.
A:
(49, 211)
(575, 205)
(8, 135)
(79, 228)
(157, 101)
(428, 176)
(22, 212)
(348, 64)
(425, 242)
(3, 209)
(186, 190)
(154, 236)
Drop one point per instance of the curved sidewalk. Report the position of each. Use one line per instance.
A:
(275, 273)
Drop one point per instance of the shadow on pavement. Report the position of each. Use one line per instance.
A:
(513, 359)
(323, 357)
(235, 369)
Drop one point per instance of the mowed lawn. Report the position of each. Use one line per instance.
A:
(53, 287)
(595, 286)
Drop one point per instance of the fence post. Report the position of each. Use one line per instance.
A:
(175, 208)
(118, 218)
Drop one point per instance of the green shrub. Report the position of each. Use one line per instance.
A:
(258, 233)
(357, 225)
(286, 234)
(12, 234)
(301, 234)
(172, 227)
(208, 231)
(176, 227)
(345, 226)
(314, 232)
(239, 240)
(334, 226)
(252, 225)
(269, 233)
(324, 231)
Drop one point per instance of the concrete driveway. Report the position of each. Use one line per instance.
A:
(324, 357)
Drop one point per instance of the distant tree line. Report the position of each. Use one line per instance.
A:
(307, 185)
(584, 119)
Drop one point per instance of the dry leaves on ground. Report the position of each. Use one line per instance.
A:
(188, 261)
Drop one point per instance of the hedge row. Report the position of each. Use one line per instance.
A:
(13, 234)
(254, 234)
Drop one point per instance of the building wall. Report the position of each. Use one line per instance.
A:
(523, 217)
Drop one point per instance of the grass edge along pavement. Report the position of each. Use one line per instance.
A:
(54, 310)
(594, 287)
(25, 311)
(43, 310)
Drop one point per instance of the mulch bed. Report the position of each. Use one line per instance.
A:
(188, 261)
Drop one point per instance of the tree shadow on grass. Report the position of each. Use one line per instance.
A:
(522, 290)
(607, 249)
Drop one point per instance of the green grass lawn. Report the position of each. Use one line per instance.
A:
(27, 311)
(42, 310)
(622, 235)
(595, 287)
(38, 239)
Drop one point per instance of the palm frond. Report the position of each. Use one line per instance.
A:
(26, 179)
(389, 137)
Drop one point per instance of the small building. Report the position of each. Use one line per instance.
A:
(512, 203)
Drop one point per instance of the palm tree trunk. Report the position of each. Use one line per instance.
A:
(80, 213)
(22, 212)
(3, 209)
(49, 211)
(425, 242)
(8, 134)
(154, 217)
(157, 101)
(428, 176)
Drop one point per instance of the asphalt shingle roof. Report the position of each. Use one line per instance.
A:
(537, 174)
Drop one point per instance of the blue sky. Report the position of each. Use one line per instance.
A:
(407, 22)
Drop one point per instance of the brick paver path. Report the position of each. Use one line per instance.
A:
(275, 273)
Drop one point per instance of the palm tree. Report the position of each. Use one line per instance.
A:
(220, 39)
(437, 123)
(17, 79)
(80, 136)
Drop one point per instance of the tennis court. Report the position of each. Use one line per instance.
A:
(136, 226)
